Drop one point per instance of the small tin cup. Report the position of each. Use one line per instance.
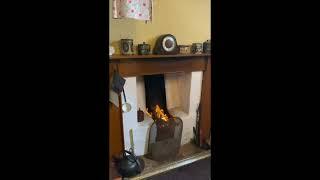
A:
(207, 47)
(197, 48)
(185, 49)
(143, 49)
(126, 46)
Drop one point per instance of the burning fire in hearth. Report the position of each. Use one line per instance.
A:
(159, 114)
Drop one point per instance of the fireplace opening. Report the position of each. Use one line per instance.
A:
(166, 131)
(155, 93)
(181, 99)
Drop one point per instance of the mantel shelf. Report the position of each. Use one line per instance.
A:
(137, 65)
(152, 56)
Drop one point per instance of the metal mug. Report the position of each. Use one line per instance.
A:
(143, 49)
(197, 48)
(207, 47)
(185, 49)
(126, 46)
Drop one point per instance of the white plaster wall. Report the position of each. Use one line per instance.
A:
(130, 118)
(178, 90)
(135, 95)
(183, 93)
(141, 95)
(191, 83)
(195, 91)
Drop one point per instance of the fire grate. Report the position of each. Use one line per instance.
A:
(165, 139)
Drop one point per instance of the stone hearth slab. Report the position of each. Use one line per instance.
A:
(188, 154)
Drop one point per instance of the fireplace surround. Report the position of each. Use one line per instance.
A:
(181, 66)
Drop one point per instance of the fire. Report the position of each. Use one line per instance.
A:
(149, 114)
(159, 113)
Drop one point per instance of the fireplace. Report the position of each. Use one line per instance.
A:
(178, 95)
(187, 80)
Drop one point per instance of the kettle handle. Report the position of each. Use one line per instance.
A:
(135, 159)
(131, 153)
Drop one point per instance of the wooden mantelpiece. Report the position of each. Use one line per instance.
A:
(152, 56)
(156, 64)
(138, 65)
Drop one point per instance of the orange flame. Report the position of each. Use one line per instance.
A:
(159, 113)
(149, 114)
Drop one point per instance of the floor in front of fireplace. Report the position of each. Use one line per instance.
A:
(189, 155)
(200, 170)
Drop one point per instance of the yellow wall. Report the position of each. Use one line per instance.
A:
(188, 20)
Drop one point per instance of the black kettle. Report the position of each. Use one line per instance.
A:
(129, 165)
